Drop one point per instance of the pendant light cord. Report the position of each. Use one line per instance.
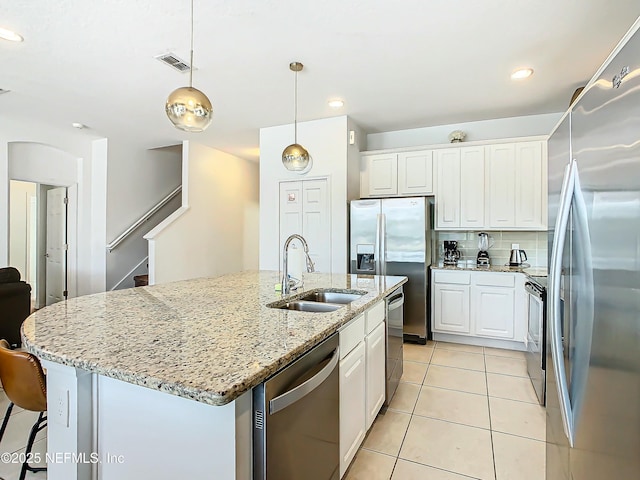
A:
(295, 111)
(191, 61)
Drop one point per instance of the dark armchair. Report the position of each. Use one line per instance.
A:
(15, 304)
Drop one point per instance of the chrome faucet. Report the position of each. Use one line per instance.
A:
(286, 286)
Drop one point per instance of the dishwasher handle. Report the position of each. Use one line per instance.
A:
(395, 302)
(292, 396)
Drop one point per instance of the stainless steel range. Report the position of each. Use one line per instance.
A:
(536, 334)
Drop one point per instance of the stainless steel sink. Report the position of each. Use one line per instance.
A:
(307, 306)
(324, 296)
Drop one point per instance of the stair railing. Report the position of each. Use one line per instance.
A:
(120, 238)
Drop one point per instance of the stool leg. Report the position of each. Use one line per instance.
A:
(6, 420)
(39, 425)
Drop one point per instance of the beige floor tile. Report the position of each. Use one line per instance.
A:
(17, 432)
(512, 388)
(417, 353)
(502, 352)
(518, 458)
(506, 365)
(453, 406)
(414, 471)
(449, 446)
(370, 466)
(387, 432)
(413, 372)
(405, 397)
(451, 358)
(459, 347)
(518, 418)
(456, 379)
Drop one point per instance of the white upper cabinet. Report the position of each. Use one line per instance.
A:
(448, 188)
(379, 175)
(502, 173)
(490, 186)
(415, 173)
(531, 186)
(472, 207)
(517, 186)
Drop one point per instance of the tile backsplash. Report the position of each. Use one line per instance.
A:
(533, 243)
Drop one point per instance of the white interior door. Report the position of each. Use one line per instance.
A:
(316, 226)
(56, 245)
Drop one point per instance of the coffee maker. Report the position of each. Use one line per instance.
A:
(482, 259)
(451, 253)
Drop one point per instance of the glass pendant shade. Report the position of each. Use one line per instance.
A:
(295, 158)
(189, 109)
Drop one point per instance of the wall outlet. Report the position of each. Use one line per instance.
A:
(352, 137)
(58, 408)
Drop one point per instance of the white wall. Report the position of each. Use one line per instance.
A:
(482, 130)
(32, 151)
(22, 227)
(209, 234)
(327, 141)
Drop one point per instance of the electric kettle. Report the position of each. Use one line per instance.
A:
(517, 257)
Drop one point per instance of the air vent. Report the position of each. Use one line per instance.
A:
(4, 91)
(174, 61)
(259, 420)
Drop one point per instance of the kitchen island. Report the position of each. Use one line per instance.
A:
(155, 382)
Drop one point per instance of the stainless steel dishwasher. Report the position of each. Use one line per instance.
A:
(296, 419)
(394, 339)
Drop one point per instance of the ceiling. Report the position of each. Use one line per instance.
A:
(397, 65)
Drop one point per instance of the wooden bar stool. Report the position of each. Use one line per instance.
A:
(25, 385)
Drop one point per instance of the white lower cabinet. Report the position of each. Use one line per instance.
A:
(376, 358)
(352, 405)
(490, 305)
(494, 311)
(362, 379)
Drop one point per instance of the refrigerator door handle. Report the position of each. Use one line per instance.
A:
(378, 247)
(555, 272)
(383, 244)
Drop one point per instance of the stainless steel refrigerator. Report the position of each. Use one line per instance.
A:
(593, 339)
(393, 236)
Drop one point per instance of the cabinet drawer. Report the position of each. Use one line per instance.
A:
(375, 316)
(460, 278)
(350, 335)
(495, 279)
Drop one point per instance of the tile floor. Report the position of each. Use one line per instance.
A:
(460, 412)
(15, 439)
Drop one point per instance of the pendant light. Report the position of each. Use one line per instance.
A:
(188, 108)
(295, 157)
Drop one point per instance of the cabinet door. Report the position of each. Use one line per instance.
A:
(381, 174)
(502, 176)
(472, 187)
(529, 186)
(494, 311)
(415, 173)
(352, 405)
(316, 226)
(375, 372)
(451, 308)
(448, 188)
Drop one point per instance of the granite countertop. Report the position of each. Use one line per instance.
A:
(529, 271)
(208, 339)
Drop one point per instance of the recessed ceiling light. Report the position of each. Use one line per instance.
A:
(336, 103)
(522, 73)
(78, 125)
(10, 35)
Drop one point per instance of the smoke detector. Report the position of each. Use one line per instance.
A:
(174, 62)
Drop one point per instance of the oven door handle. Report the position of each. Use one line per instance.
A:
(395, 302)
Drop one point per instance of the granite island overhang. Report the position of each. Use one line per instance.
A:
(196, 347)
